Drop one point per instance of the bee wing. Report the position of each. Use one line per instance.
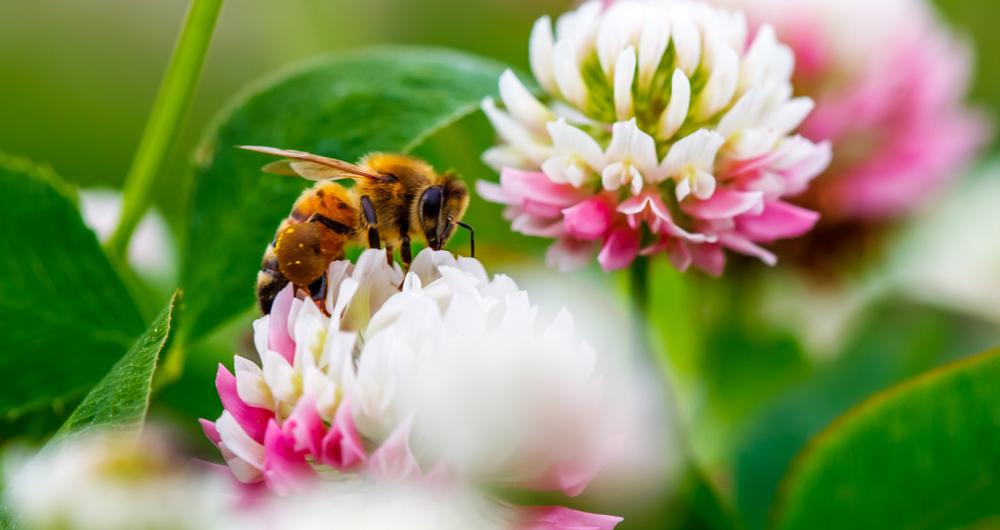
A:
(310, 166)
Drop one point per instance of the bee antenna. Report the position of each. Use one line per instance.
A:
(472, 238)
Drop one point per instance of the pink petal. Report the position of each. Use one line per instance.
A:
(680, 255)
(568, 254)
(493, 193)
(738, 243)
(530, 225)
(253, 420)
(284, 467)
(620, 248)
(588, 220)
(562, 518)
(535, 186)
(778, 220)
(208, 427)
(723, 204)
(342, 446)
(709, 258)
(649, 207)
(571, 481)
(278, 338)
(305, 427)
(393, 461)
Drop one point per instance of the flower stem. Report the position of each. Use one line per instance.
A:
(697, 504)
(639, 287)
(161, 130)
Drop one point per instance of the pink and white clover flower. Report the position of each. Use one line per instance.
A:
(662, 128)
(440, 376)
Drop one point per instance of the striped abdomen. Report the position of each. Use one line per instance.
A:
(321, 223)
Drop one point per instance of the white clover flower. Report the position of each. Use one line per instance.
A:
(667, 113)
(484, 383)
(110, 481)
(440, 371)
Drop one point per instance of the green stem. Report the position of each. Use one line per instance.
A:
(639, 287)
(169, 108)
(697, 505)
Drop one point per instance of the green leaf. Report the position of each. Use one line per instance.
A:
(388, 99)
(121, 399)
(924, 454)
(876, 358)
(65, 314)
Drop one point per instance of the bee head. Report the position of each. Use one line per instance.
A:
(440, 207)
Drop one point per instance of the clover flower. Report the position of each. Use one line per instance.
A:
(661, 128)
(109, 480)
(442, 375)
(888, 87)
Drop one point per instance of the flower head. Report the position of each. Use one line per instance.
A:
(888, 87)
(441, 375)
(662, 128)
(107, 480)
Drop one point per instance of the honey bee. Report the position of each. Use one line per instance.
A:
(395, 198)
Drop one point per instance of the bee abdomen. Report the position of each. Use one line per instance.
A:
(270, 281)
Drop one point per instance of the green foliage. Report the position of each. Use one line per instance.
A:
(121, 399)
(65, 314)
(876, 358)
(924, 454)
(388, 99)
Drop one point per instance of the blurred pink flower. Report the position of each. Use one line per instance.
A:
(888, 88)
(663, 129)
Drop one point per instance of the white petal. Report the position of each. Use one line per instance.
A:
(280, 377)
(540, 46)
(745, 113)
(250, 384)
(521, 104)
(501, 156)
(750, 143)
(567, 139)
(683, 189)
(568, 75)
(755, 61)
(515, 133)
(704, 185)
(789, 115)
(239, 442)
(652, 45)
(612, 177)
(624, 76)
(686, 40)
(616, 32)
(696, 150)
(629, 143)
(261, 328)
(635, 177)
(677, 110)
(721, 84)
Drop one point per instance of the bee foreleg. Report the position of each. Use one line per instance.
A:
(472, 238)
(368, 210)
